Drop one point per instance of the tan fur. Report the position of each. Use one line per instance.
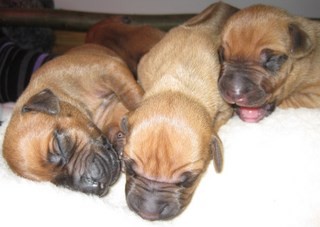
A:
(255, 28)
(94, 88)
(87, 80)
(136, 40)
(171, 132)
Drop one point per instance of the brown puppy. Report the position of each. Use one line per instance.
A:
(171, 136)
(135, 40)
(58, 127)
(269, 58)
(130, 42)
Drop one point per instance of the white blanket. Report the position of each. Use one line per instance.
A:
(271, 178)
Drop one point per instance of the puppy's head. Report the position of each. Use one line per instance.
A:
(261, 46)
(129, 41)
(166, 154)
(50, 140)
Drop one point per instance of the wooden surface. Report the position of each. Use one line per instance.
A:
(79, 21)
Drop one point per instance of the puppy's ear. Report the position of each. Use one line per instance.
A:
(301, 44)
(45, 101)
(217, 153)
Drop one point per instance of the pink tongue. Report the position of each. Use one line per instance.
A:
(253, 115)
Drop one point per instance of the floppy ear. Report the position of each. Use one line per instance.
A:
(217, 153)
(301, 44)
(45, 101)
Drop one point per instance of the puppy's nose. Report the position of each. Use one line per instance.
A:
(152, 209)
(101, 170)
(235, 87)
(158, 212)
(235, 97)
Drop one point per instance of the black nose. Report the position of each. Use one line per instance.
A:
(100, 168)
(93, 170)
(237, 87)
(97, 178)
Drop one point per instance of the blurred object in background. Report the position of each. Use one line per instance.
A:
(30, 38)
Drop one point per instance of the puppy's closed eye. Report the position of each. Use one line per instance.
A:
(188, 178)
(271, 60)
(62, 148)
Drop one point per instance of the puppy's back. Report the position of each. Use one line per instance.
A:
(186, 58)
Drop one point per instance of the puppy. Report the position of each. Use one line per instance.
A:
(269, 58)
(59, 124)
(135, 40)
(171, 136)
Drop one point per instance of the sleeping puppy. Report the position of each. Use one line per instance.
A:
(66, 126)
(171, 136)
(59, 124)
(269, 58)
(135, 40)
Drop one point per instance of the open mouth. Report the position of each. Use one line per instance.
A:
(254, 114)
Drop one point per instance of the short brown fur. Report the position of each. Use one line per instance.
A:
(253, 30)
(132, 45)
(93, 87)
(172, 135)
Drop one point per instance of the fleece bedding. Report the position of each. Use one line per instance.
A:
(271, 178)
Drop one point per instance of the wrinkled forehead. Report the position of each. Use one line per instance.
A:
(163, 148)
(249, 36)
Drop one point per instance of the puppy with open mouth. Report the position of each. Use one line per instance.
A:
(172, 135)
(269, 58)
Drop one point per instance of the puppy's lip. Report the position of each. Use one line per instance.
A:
(149, 216)
(254, 114)
(105, 191)
(250, 114)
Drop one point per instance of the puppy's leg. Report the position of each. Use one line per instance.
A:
(123, 84)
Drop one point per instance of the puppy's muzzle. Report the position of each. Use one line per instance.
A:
(94, 170)
(155, 200)
(247, 89)
(243, 87)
